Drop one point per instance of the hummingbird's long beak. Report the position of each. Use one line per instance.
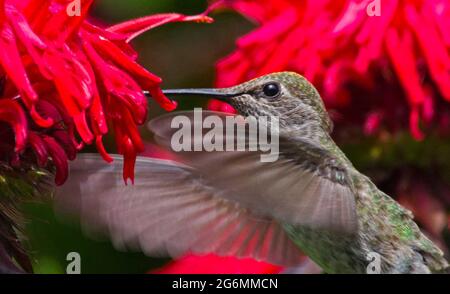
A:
(207, 93)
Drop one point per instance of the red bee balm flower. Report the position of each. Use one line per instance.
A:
(213, 264)
(395, 54)
(62, 76)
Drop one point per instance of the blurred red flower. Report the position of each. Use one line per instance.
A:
(388, 70)
(213, 264)
(62, 76)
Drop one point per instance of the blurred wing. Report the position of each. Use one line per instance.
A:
(305, 186)
(168, 212)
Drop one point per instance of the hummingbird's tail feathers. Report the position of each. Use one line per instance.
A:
(430, 255)
(435, 260)
(302, 187)
(168, 211)
(394, 235)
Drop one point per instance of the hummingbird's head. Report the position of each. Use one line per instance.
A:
(286, 95)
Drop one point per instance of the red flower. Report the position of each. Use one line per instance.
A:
(213, 264)
(62, 76)
(397, 64)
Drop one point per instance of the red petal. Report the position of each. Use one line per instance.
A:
(59, 158)
(12, 113)
(135, 27)
(165, 102)
(63, 138)
(39, 148)
(101, 149)
(12, 64)
(213, 264)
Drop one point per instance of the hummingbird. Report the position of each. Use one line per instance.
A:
(311, 201)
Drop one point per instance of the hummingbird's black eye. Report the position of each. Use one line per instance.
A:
(271, 90)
